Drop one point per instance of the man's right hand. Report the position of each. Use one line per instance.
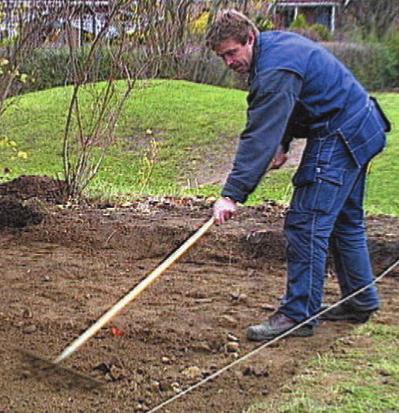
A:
(223, 210)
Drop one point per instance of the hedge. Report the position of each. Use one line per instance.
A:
(375, 65)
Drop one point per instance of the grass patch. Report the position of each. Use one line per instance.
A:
(276, 185)
(189, 125)
(362, 375)
(382, 194)
(182, 117)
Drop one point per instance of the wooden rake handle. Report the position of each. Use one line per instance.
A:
(135, 292)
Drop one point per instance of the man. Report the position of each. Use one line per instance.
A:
(299, 89)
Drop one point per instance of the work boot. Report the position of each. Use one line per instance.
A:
(347, 312)
(276, 325)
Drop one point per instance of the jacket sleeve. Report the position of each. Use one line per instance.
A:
(271, 101)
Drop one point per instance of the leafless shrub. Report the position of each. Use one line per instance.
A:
(151, 35)
(94, 108)
(29, 32)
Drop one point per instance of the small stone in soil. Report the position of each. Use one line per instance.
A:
(117, 373)
(26, 374)
(235, 295)
(238, 297)
(30, 329)
(176, 387)
(232, 347)
(139, 407)
(232, 337)
(204, 300)
(192, 372)
(155, 385)
(228, 320)
(268, 307)
(27, 313)
(166, 360)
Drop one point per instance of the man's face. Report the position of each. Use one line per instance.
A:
(235, 55)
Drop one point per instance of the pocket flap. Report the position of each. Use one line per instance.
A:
(310, 173)
(335, 176)
(305, 175)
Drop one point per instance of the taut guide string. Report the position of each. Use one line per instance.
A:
(269, 343)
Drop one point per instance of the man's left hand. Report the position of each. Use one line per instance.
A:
(280, 158)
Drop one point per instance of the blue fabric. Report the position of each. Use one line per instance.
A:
(326, 204)
(299, 89)
(269, 109)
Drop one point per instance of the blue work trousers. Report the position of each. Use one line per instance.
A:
(327, 209)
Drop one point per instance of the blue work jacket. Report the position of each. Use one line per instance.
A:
(299, 89)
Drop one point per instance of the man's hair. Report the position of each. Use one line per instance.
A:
(229, 24)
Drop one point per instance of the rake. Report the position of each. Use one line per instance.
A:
(54, 370)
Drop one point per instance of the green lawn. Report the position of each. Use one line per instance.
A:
(190, 123)
(185, 119)
(363, 378)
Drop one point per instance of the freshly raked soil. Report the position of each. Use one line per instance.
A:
(62, 267)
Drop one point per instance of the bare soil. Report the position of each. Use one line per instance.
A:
(217, 167)
(62, 267)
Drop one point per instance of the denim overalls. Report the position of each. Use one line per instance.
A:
(327, 206)
(315, 96)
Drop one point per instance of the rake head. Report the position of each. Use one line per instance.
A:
(56, 375)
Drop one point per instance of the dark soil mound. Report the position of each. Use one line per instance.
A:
(13, 214)
(41, 187)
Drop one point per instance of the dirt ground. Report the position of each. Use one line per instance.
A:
(62, 267)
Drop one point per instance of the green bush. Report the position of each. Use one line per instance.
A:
(299, 23)
(375, 64)
(317, 32)
(263, 23)
(392, 42)
(322, 31)
(50, 67)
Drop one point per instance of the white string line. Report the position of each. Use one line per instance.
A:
(274, 340)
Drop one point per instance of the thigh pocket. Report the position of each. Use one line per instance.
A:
(298, 232)
(317, 188)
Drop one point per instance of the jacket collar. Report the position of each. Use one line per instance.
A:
(256, 51)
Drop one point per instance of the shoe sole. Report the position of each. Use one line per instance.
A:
(359, 319)
(346, 319)
(301, 332)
